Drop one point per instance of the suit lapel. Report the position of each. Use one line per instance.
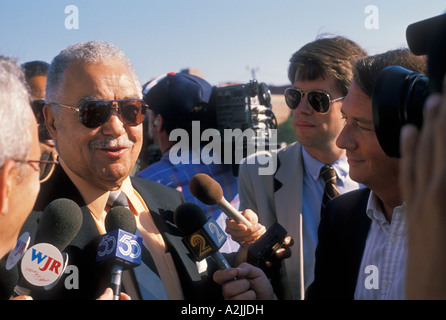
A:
(288, 183)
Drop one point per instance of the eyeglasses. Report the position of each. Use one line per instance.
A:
(95, 113)
(318, 100)
(47, 164)
(37, 106)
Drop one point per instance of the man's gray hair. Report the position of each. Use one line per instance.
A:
(15, 112)
(85, 52)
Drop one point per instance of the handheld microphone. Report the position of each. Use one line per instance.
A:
(43, 263)
(8, 279)
(208, 191)
(203, 237)
(119, 247)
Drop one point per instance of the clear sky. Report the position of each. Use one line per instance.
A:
(225, 39)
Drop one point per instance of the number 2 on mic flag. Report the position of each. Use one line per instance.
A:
(206, 240)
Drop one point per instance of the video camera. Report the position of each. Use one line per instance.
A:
(399, 94)
(246, 110)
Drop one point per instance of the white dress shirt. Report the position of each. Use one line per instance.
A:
(383, 267)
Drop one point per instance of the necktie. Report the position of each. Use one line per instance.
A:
(146, 274)
(331, 190)
(117, 198)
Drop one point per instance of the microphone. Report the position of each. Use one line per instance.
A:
(208, 191)
(119, 247)
(60, 222)
(43, 263)
(203, 237)
(8, 279)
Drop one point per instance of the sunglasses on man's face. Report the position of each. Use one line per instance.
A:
(95, 113)
(318, 100)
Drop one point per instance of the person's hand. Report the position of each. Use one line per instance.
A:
(22, 298)
(108, 295)
(280, 254)
(243, 234)
(423, 186)
(246, 282)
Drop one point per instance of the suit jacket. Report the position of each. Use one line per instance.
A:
(276, 197)
(95, 277)
(342, 235)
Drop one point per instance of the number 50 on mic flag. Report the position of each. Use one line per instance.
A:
(122, 246)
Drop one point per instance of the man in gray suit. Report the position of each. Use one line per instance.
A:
(320, 74)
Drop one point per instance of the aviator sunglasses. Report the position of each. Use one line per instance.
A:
(318, 100)
(95, 113)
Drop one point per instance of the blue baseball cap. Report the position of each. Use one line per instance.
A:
(175, 94)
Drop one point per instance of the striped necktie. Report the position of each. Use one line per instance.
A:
(331, 190)
(146, 274)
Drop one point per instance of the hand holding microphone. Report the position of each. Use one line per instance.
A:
(258, 244)
(208, 191)
(244, 229)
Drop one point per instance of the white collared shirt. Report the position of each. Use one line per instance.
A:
(383, 267)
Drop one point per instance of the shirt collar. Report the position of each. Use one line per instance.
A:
(313, 166)
(95, 197)
(375, 213)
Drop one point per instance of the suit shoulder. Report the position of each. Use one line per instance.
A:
(348, 205)
(155, 187)
(355, 196)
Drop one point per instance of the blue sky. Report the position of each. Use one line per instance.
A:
(224, 39)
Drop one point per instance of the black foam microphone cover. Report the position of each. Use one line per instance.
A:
(60, 222)
(120, 218)
(189, 217)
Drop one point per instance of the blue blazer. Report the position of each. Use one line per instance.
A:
(342, 235)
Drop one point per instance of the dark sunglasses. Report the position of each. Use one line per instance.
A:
(37, 106)
(318, 100)
(95, 113)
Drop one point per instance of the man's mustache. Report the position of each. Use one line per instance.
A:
(121, 142)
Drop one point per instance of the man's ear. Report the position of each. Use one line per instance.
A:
(159, 123)
(7, 179)
(50, 121)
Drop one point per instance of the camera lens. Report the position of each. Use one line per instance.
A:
(398, 99)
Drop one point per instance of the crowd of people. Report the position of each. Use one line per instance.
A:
(75, 129)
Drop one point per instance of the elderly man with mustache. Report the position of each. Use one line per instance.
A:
(94, 113)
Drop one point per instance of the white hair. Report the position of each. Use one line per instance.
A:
(15, 112)
(85, 52)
